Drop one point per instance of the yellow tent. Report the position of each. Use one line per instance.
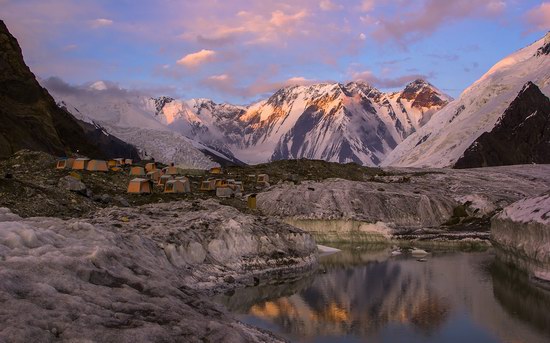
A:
(139, 186)
(80, 163)
(65, 163)
(150, 167)
(97, 165)
(216, 170)
(221, 183)
(137, 171)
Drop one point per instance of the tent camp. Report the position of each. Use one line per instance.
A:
(177, 186)
(137, 171)
(97, 165)
(65, 163)
(119, 161)
(128, 161)
(140, 186)
(154, 175)
(163, 179)
(208, 185)
(150, 167)
(170, 170)
(80, 163)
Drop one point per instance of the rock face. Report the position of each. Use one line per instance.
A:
(138, 275)
(29, 117)
(522, 234)
(521, 136)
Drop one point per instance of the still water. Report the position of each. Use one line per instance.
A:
(365, 294)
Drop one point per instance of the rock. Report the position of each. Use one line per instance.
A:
(121, 201)
(71, 184)
(229, 279)
(419, 252)
(106, 198)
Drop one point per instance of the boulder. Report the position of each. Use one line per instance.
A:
(71, 184)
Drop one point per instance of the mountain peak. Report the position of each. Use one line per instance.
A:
(545, 49)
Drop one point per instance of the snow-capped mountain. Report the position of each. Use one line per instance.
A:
(331, 121)
(445, 138)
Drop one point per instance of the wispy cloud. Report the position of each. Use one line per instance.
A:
(101, 22)
(412, 22)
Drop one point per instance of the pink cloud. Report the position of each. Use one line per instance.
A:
(538, 18)
(195, 59)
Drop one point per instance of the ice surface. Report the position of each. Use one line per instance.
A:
(141, 279)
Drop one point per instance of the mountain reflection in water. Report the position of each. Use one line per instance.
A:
(454, 296)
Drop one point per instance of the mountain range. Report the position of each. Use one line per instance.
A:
(354, 122)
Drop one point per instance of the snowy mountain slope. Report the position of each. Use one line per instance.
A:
(132, 118)
(443, 140)
(334, 122)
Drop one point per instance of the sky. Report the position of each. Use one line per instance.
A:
(239, 51)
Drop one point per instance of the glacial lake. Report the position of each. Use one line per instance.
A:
(365, 294)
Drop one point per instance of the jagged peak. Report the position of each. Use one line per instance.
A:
(529, 88)
(419, 84)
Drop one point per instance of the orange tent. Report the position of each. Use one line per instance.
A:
(137, 171)
(97, 165)
(80, 163)
(139, 186)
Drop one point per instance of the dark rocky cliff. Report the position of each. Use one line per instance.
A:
(30, 118)
(521, 136)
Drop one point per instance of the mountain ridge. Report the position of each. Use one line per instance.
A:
(32, 120)
(442, 141)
